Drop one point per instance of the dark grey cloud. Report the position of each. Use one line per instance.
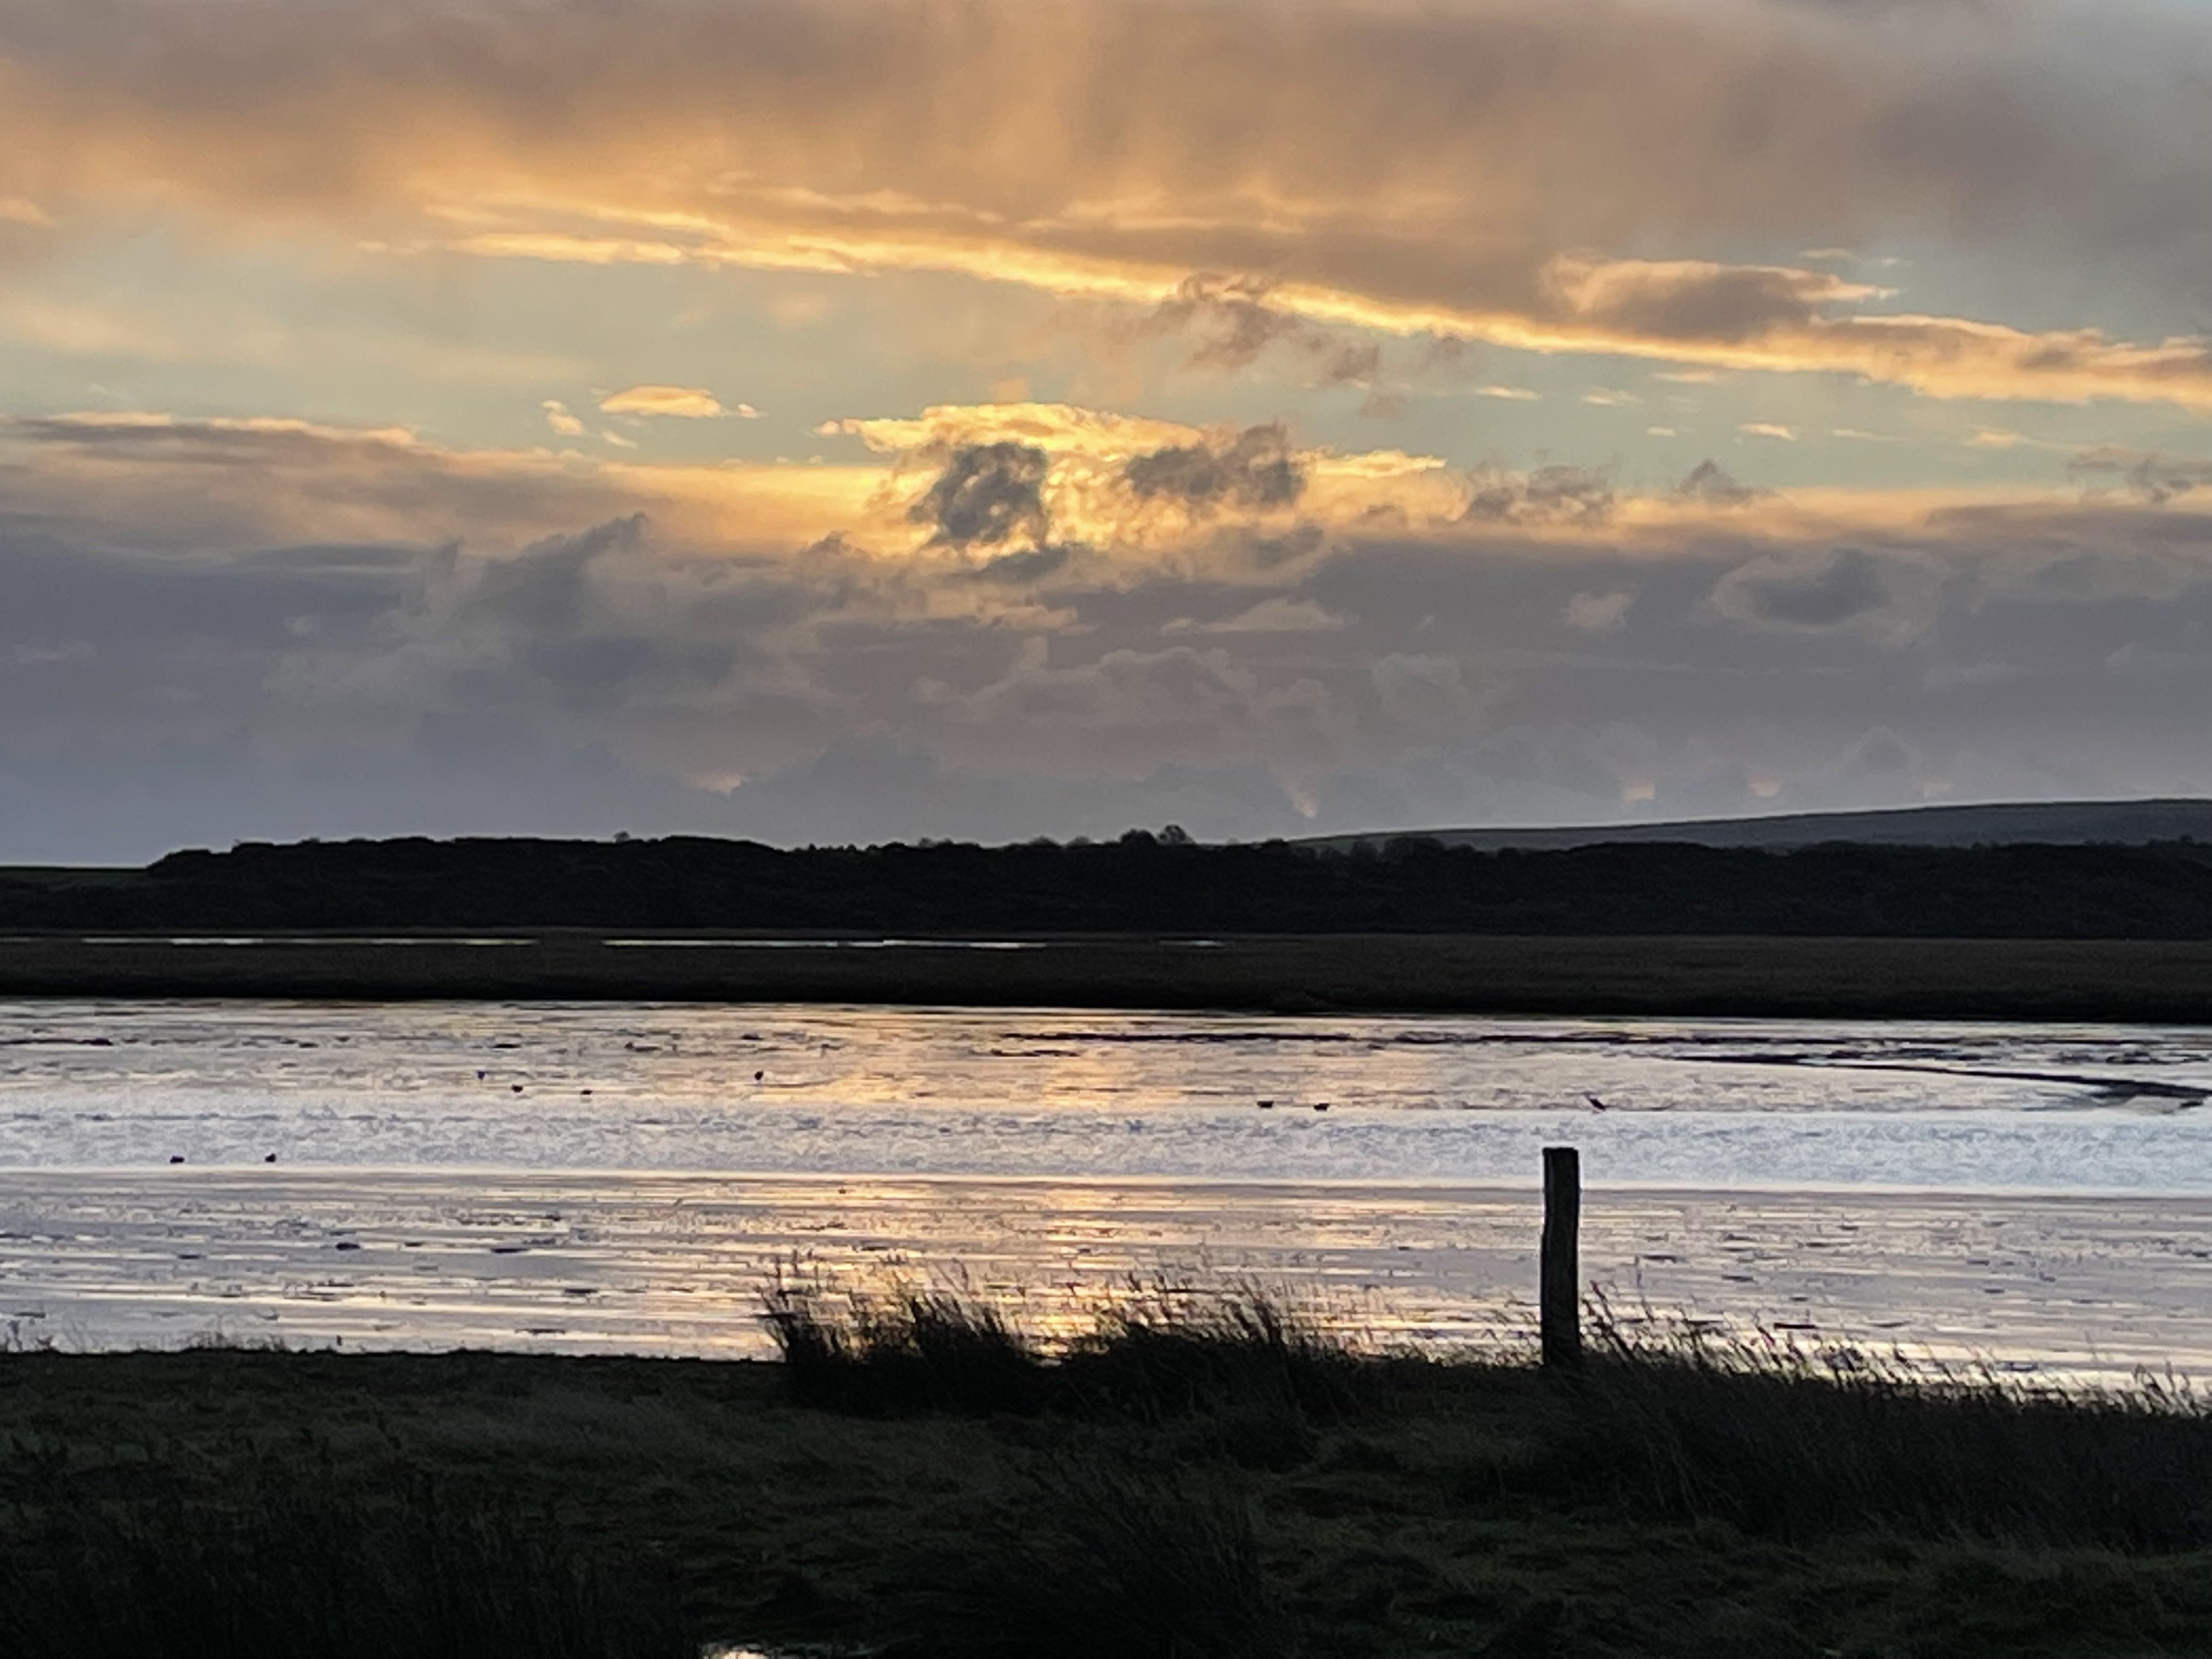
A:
(544, 587)
(366, 561)
(2147, 475)
(1709, 484)
(1723, 305)
(1231, 325)
(1300, 542)
(1846, 587)
(1545, 661)
(987, 495)
(54, 588)
(1555, 492)
(1256, 469)
(1032, 564)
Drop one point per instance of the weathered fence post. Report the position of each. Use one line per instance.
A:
(1559, 1294)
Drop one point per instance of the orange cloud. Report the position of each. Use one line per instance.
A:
(685, 402)
(1401, 169)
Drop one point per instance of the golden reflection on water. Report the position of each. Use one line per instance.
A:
(680, 1264)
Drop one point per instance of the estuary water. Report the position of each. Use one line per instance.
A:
(626, 1176)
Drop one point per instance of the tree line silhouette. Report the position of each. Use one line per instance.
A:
(1142, 882)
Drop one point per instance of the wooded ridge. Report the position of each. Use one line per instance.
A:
(1143, 884)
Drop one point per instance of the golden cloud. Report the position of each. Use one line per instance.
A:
(194, 487)
(1062, 428)
(189, 485)
(685, 402)
(1438, 169)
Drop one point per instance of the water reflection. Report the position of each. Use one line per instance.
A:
(627, 1178)
(958, 1093)
(576, 1262)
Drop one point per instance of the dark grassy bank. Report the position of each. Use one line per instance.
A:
(1141, 884)
(1205, 1480)
(1829, 978)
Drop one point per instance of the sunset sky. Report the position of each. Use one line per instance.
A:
(841, 420)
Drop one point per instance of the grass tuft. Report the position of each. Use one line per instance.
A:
(1166, 1350)
(907, 1349)
(1161, 1351)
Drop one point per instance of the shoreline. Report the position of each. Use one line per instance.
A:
(2128, 981)
(581, 1261)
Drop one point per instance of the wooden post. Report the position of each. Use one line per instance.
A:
(1560, 1286)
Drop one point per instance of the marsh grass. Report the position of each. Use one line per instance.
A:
(1256, 1487)
(1793, 1442)
(1160, 1350)
(1113, 1562)
(881, 1353)
(285, 1560)
(1667, 1419)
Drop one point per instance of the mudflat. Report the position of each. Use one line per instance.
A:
(2080, 1287)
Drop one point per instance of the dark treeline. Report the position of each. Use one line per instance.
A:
(1143, 884)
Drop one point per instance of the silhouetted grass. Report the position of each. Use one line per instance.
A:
(1684, 1498)
(283, 1562)
(1778, 1441)
(1794, 1443)
(1160, 1351)
(881, 1353)
(1109, 1562)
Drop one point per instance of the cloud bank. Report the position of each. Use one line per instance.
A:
(349, 605)
(1494, 169)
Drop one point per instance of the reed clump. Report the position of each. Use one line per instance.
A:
(1160, 1350)
(1794, 1441)
(881, 1353)
(1670, 1419)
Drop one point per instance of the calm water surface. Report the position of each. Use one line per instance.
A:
(624, 1175)
(859, 1092)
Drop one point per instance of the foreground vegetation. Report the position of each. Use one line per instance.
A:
(1196, 1477)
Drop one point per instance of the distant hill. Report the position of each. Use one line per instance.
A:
(2051, 824)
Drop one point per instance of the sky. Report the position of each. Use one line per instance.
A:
(836, 421)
